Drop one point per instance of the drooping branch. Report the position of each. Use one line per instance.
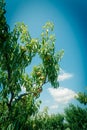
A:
(16, 99)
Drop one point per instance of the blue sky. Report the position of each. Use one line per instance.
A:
(70, 21)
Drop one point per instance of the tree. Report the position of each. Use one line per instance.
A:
(17, 50)
(82, 97)
(44, 121)
(76, 117)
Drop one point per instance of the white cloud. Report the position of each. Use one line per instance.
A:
(64, 76)
(54, 107)
(62, 95)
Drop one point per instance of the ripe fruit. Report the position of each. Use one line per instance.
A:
(40, 90)
(23, 48)
(39, 73)
(35, 94)
(47, 58)
(42, 77)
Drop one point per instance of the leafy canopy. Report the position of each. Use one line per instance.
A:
(17, 49)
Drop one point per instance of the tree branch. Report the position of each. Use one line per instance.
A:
(21, 95)
(26, 93)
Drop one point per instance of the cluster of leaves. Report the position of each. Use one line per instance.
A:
(47, 53)
(44, 121)
(74, 118)
(17, 49)
(82, 98)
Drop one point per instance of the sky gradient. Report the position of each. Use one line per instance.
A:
(70, 22)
